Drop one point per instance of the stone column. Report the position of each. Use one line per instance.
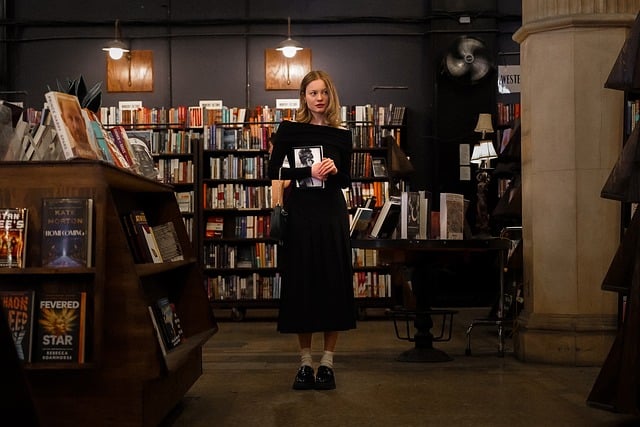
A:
(571, 138)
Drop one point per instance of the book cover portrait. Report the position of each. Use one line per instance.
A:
(13, 237)
(67, 228)
(307, 156)
(70, 125)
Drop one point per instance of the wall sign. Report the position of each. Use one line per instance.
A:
(509, 79)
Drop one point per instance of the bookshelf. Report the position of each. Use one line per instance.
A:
(125, 380)
(228, 151)
(239, 259)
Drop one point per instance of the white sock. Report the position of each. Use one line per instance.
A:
(305, 357)
(327, 359)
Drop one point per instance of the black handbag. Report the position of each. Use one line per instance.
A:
(278, 224)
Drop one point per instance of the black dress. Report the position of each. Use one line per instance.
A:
(315, 259)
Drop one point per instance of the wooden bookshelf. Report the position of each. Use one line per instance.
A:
(126, 380)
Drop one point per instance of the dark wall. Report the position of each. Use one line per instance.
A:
(215, 50)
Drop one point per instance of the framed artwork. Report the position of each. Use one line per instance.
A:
(282, 73)
(131, 73)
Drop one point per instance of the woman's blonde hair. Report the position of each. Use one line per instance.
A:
(332, 112)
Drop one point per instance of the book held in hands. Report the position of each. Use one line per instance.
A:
(305, 157)
(13, 236)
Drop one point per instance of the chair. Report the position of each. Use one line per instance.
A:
(508, 302)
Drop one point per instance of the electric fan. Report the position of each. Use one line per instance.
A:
(467, 60)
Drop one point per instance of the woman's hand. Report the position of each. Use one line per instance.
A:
(323, 169)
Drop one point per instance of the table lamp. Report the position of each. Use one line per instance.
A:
(482, 154)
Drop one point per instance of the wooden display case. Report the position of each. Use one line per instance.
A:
(125, 380)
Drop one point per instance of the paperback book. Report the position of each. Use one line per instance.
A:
(167, 242)
(360, 222)
(13, 236)
(60, 328)
(67, 232)
(17, 306)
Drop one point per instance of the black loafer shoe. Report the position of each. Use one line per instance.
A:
(304, 379)
(325, 380)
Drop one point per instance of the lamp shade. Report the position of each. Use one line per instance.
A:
(289, 47)
(483, 152)
(116, 48)
(484, 124)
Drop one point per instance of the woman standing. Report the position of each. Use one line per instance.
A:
(317, 293)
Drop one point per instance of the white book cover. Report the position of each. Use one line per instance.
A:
(451, 216)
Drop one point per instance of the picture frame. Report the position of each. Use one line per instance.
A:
(379, 166)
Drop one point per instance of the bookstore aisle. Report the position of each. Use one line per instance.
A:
(249, 367)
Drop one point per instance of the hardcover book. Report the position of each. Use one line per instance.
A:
(307, 156)
(60, 328)
(121, 142)
(451, 216)
(360, 222)
(410, 215)
(67, 232)
(13, 236)
(17, 306)
(387, 220)
(144, 237)
(70, 125)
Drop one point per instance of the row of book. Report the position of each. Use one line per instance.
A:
(66, 131)
(238, 227)
(46, 327)
(253, 286)
(176, 171)
(238, 167)
(371, 284)
(151, 244)
(236, 196)
(66, 231)
(409, 216)
(214, 112)
(257, 255)
(507, 113)
(360, 192)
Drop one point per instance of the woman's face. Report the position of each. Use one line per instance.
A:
(317, 97)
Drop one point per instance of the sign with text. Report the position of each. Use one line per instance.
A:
(509, 79)
(287, 103)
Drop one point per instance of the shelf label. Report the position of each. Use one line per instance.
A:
(284, 103)
(212, 104)
(129, 105)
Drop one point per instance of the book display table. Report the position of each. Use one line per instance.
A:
(424, 254)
